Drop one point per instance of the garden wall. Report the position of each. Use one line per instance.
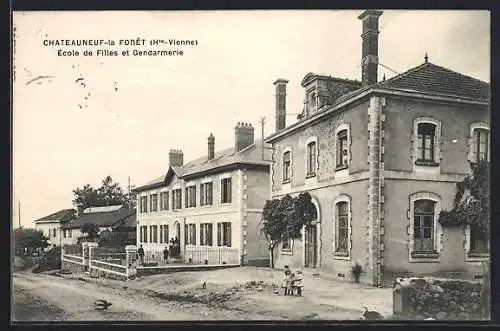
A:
(441, 299)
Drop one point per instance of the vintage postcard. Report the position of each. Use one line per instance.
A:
(251, 165)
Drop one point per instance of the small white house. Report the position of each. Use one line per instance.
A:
(51, 226)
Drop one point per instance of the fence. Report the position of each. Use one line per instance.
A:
(211, 255)
(110, 255)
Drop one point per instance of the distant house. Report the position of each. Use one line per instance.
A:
(51, 226)
(109, 219)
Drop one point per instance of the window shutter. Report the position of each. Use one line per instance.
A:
(219, 234)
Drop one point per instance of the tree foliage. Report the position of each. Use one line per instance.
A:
(108, 194)
(90, 230)
(29, 238)
(472, 201)
(284, 218)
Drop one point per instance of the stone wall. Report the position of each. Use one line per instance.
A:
(441, 299)
(71, 266)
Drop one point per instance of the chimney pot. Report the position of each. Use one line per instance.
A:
(211, 147)
(369, 53)
(175, 158)
(243, 136)
(280, 96)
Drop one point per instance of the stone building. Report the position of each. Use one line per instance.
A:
(381, 159)
(212, 205)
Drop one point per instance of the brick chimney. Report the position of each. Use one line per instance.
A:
(280, 103)
(243, 136)
(211, 147)
(369, 53)
(175, 158)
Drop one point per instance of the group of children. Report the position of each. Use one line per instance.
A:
(292, 282)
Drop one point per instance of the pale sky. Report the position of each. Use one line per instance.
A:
(141, 107)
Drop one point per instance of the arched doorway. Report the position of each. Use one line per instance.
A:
(311, 242)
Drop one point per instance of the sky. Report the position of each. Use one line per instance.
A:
(95, 116)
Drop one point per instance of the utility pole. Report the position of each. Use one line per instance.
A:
(262, 121)
(19, 212)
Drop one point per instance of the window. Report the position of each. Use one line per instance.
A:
(206, 234)
(342, 150)
(225, 190)
(70, 234)
(64, 233)
(191, 234)
(153, 233)
(286, 244)
(423, 226)
(164, 201)
(286, 166)
(425, 143)
(144, 204)
(153, 201)
(311, 159)
(54, 233)
(164, 233)
(190, 196)
(206, 190)
(176, 199)
(224, 234)
(342, 228)
(480, 150)
(478, 242)
(144, 234)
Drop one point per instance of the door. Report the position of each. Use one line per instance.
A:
(311, 246)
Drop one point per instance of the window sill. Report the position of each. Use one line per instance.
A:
(477, 257)
(341, 256)
(426, 163)
(424, 257)
(225, 203)
(285, 181)
(206, 206)
(310, 175)
(341, 167)
(286, 252)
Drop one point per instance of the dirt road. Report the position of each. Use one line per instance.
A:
(41, 297)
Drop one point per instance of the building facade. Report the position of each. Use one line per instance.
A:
(381, 160)
(209, 205)
(51, 226)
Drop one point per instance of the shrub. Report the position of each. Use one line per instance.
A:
(356, 271)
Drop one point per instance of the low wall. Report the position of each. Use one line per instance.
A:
(147, 271)
(441, 299)
(72, 263)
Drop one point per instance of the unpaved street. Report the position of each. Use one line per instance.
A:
(41, 297)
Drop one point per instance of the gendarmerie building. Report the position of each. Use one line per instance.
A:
(381, 159)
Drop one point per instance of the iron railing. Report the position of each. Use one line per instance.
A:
(199, 255)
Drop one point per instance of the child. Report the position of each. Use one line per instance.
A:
(297, 282)
(286, 280)
(291, 279)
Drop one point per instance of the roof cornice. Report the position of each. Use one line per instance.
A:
(374, 90)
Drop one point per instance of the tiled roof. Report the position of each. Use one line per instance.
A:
(426, 78)
(105, 219)
(251, 155)
(431, 78)
(62, 216)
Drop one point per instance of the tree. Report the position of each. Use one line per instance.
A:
(29, 238)
(472, 201)
(90, 231)
(284, 219)
(108, 194)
